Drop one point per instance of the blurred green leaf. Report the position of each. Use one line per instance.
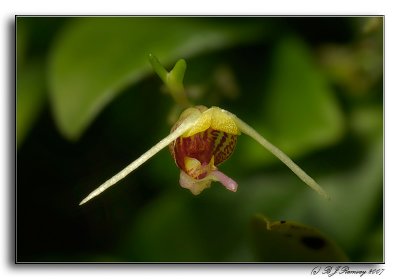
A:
(300, 112)
(286, 241)
(94, 58)
(31, 96)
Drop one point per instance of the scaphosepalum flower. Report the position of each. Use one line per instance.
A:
(200, 140)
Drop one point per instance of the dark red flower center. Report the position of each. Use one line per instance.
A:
(203, 147)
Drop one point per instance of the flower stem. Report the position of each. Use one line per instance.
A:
(173, 80)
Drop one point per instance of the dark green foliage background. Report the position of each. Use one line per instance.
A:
(88, 103)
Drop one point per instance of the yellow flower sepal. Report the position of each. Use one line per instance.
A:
(215, 118)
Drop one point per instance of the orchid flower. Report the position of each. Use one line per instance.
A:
(200, 140)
